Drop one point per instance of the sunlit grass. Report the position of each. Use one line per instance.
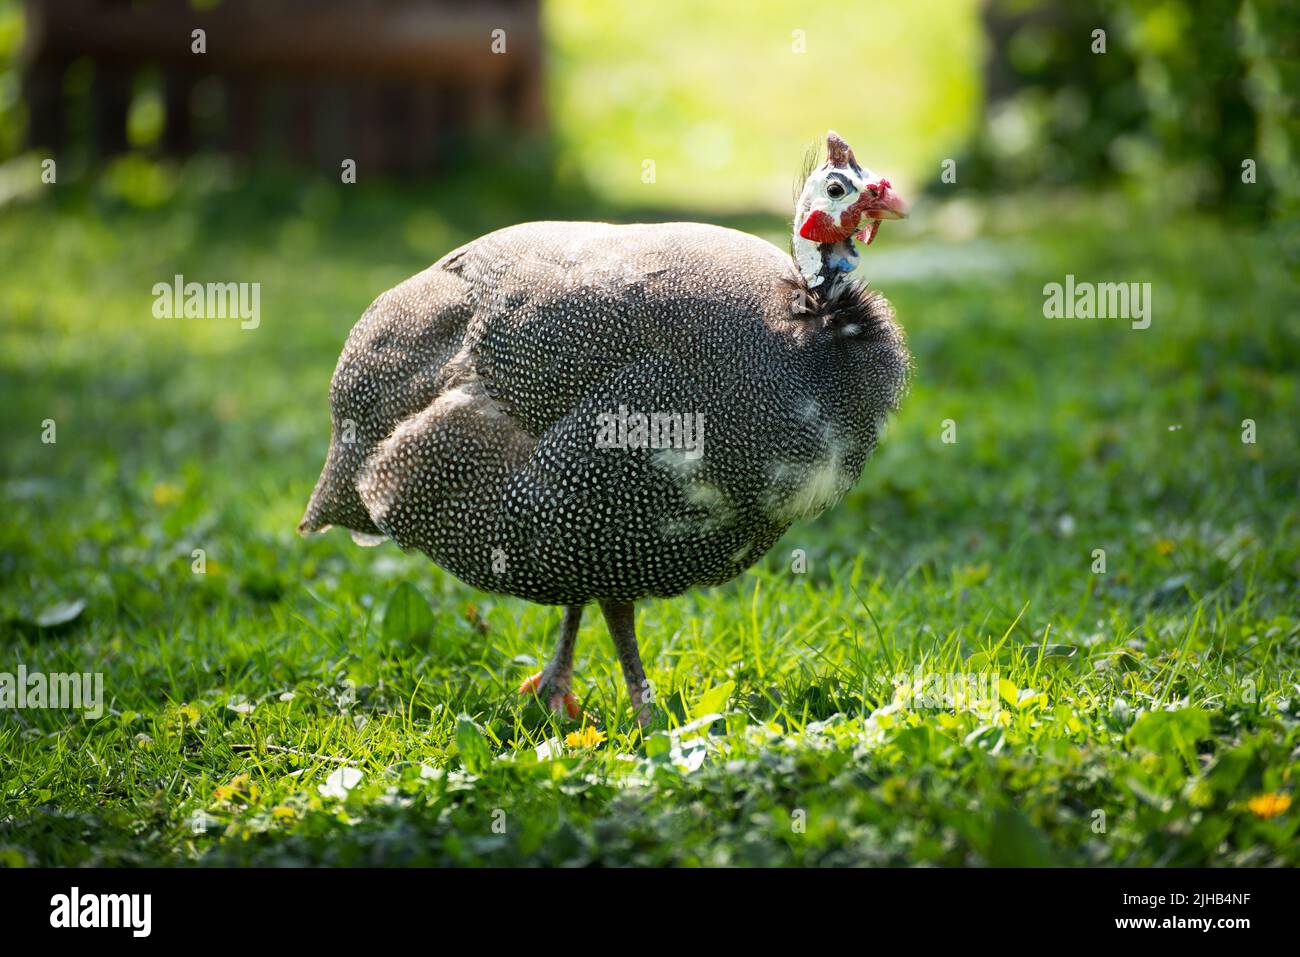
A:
(1141, 711)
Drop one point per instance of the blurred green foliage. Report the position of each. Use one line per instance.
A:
(12, 116)
(1183, 94)
(724, 99)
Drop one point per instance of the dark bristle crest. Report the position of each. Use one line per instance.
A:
(848, 302)
(811, 160)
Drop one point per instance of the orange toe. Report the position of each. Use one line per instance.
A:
(531, 685)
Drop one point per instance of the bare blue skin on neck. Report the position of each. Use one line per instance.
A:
(841, 258)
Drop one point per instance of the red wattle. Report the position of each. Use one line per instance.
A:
(820, 228)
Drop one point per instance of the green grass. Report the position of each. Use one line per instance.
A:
(1141, 709)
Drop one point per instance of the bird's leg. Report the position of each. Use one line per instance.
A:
(553, 682)
(620, 616)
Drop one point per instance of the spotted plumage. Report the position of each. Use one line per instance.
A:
(468, 406)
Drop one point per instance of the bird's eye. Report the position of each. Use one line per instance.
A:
(834, 189)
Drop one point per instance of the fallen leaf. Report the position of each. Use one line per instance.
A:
(338, 784)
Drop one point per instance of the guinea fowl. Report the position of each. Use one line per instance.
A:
(531, 410)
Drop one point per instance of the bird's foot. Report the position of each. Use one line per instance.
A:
(559, 699)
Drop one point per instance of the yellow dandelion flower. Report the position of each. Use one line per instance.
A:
(1164, 546)
(588, 737)
(283, 811)
(1269, 805)
(166, 494)
(240, 786)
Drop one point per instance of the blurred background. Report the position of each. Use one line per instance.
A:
(1019, 92)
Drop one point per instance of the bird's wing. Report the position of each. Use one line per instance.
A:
(436, 482)
(535, 317)
(566, 516)
(559, 307)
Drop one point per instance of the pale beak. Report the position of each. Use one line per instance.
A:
(888, 205)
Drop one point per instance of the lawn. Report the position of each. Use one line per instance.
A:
(276, 700)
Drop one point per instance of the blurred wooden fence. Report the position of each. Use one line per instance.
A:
(392, 84)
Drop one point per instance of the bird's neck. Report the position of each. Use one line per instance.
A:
(824, 264)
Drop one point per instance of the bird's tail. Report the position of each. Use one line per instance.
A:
(334, 500)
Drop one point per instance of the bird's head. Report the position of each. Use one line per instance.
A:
(840, 201)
